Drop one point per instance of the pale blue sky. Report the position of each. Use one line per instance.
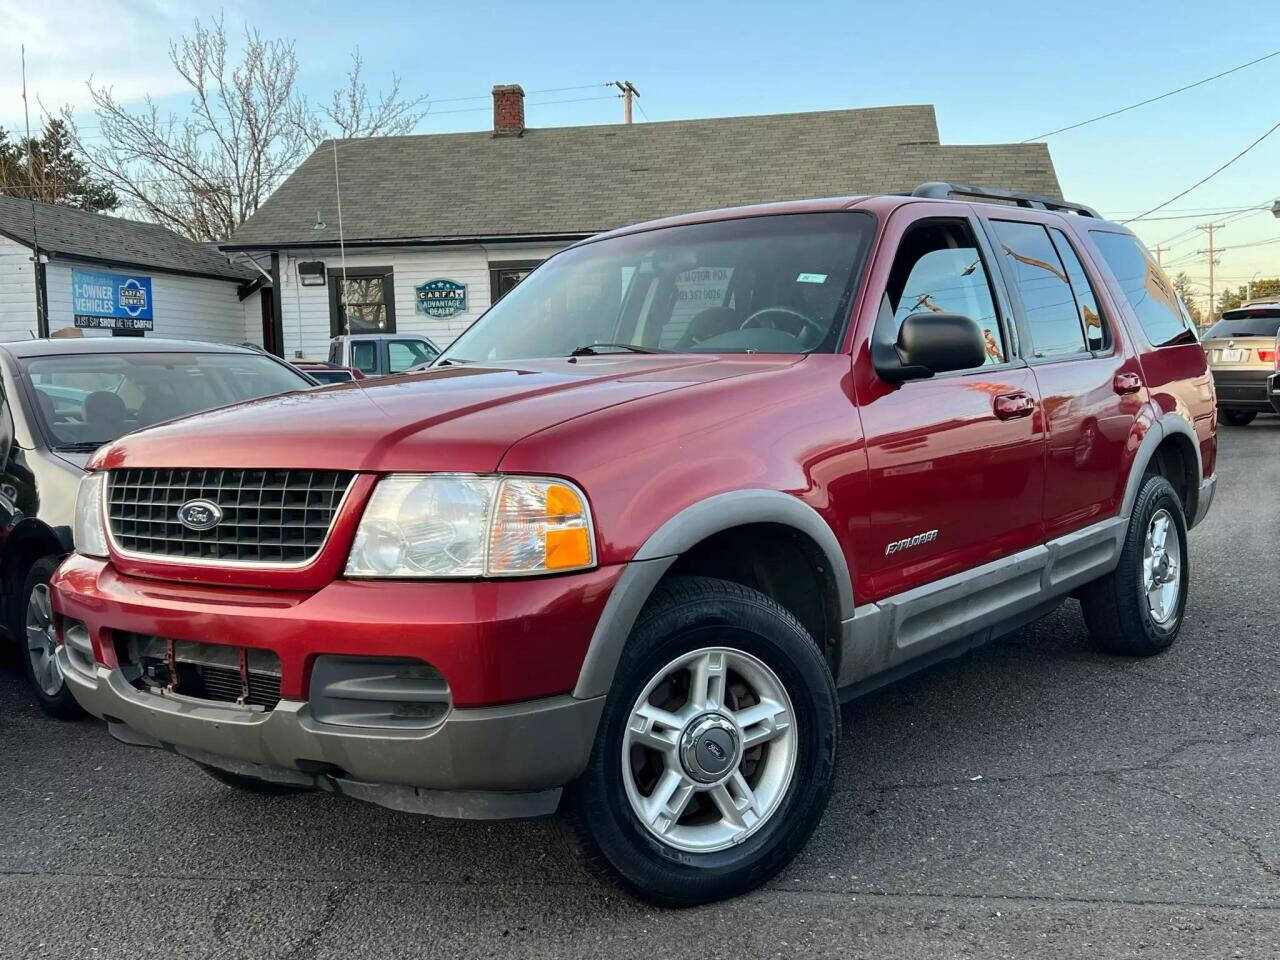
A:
(996, 71)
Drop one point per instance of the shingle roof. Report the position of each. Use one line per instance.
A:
(581, 180)
(77, 233)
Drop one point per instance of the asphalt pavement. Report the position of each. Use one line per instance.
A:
(1033, 799)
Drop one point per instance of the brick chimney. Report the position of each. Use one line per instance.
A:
(508, 110)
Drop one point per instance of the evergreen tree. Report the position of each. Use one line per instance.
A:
(49, 169)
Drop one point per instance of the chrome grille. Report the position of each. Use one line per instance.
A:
(268, 516)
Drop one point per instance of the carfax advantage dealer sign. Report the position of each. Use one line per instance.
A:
(111, 301)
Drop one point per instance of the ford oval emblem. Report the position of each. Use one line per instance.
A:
(714, 749)
(199, 514)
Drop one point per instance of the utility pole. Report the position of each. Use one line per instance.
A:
(1209, 228)
(1159, 255)
(628, 91)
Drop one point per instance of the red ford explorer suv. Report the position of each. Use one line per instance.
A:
(654, 515)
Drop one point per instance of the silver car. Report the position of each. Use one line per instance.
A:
(1241, 350)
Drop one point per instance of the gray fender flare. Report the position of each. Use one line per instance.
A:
(1163, 428)
(686, 529)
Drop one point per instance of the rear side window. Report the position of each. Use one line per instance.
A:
(1095, 330)
(1145, 286)
(1044, 288)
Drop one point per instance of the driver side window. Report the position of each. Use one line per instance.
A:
(939, 269)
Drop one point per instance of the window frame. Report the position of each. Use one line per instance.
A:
(499, 267)
(336, 274)
(1108, 347)
(1010, 283)
(995, 282)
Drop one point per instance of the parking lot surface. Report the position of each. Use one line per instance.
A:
(1033, 799)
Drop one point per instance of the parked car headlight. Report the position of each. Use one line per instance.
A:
(466, 525)
(89, 535)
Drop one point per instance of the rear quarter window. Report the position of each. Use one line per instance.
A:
(1145, 286)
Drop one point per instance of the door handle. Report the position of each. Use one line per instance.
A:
(1126, 383)
(1010, 406)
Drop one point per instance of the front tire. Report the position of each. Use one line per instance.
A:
(32, 623)
(1137, 609)
(714, 757)
(1238, 418)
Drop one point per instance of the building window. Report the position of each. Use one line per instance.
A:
(361, 301)
(504, 276)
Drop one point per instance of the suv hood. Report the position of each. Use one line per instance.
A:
(458, 418)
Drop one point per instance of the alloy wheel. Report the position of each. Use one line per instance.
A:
(709, 750)
(1162, 567)
(42, 641)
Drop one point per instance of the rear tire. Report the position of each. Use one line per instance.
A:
(1137, 609)
(31, 622)
(1238, 418)
(723, 696)
(261, 788)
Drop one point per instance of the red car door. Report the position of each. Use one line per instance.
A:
(956, 461)
(1088, 377)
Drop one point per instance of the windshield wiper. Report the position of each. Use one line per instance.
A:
(589, 349)
(83, 446)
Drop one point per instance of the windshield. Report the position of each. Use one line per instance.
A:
(772, 284)
(1256, 323)
(87, 400)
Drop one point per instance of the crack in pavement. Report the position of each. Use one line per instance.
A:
(1209, 821)
(309, 945)
(1160, 762)
(338, 890)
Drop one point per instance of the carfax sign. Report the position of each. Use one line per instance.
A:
(441, 298)
(111, 301)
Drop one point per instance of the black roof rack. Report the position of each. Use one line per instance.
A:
(941, 190)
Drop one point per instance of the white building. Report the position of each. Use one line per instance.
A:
(358, 235)
(101, 276)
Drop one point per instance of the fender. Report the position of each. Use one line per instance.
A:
(685, 530)
(1164, 426)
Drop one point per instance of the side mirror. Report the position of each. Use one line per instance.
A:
(929, 343)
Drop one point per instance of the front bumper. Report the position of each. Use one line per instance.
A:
(484, 762)
(510, 652)
(1273, 391)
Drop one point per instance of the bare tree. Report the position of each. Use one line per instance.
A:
(248, 127)
(350, 113)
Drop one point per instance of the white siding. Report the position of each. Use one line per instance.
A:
(185, 308)
(305, 310)
(17, 291)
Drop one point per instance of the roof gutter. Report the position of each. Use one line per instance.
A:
(411, 241)
(148, 267)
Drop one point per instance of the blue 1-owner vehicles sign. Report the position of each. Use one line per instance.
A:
(441, 298)
(111, 301)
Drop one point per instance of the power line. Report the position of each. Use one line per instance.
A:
(1204, 180)
(1143, 103)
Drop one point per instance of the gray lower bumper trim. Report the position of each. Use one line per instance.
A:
(533, 747)
(454, 804)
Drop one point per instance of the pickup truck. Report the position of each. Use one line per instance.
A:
(381, 354)
(626, 548)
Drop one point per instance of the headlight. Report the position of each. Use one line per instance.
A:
(89, 535)
(464, 525)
